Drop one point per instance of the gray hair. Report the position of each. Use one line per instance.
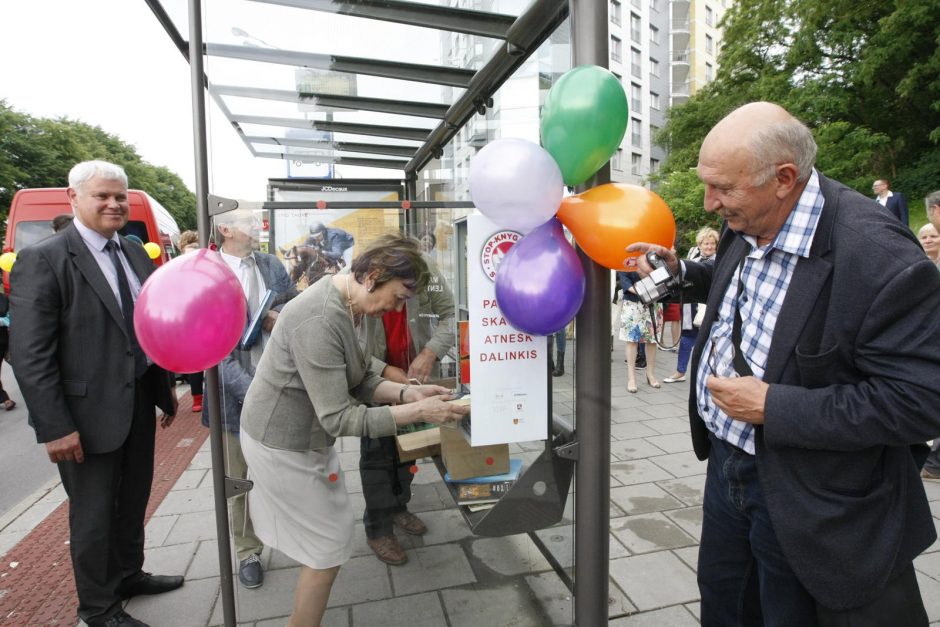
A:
(83, 172)
(705, 233)
(788, 141)
(933, 200)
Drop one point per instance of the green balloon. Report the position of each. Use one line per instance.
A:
(583, 121)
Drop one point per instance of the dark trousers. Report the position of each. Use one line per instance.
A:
(743, 576)
(4, 346)
(386, 484)
(195, 380)
(108, 496)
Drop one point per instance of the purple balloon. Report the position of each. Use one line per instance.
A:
(190, 313)
(540, 282)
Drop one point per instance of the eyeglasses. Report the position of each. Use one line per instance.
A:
(718, 367)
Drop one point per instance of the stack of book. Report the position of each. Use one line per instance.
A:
(479, 493)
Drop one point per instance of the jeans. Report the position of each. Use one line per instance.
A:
(743, 576)
(686, 344)
(560, 339)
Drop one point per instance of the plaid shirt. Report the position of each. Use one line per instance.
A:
(766, 274)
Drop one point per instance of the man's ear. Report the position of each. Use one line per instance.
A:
(787, 176)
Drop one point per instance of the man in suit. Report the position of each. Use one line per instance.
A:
(90, 390)
(258, 272)
(812, 388)
(894, 202)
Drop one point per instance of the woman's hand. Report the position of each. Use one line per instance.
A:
(418, 392)
(437, 409)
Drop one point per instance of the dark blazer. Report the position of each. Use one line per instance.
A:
(234, 378)
(897, 206)
(853, 371)
(74, 363)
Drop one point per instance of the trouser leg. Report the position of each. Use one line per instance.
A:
(243, 533)
(386, 484)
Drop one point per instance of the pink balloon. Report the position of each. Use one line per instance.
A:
(190, 313)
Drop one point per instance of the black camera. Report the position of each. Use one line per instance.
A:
(660, 283)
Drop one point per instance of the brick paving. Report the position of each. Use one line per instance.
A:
(37, 586)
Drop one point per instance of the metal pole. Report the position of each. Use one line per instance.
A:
(589, 23)
(212, 375)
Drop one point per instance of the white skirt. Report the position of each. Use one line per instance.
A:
(295, 508)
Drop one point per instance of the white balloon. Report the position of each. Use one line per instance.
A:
(516, 184)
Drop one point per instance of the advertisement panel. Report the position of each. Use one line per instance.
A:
(508, 368)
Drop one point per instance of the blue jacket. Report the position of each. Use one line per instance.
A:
(234, 378)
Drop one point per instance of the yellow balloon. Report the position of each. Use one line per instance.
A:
(153, 250)
(6, 261)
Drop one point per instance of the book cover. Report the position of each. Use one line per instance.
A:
(253, 330)
(477, 493)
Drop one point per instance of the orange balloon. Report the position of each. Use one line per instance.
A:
(606, 219)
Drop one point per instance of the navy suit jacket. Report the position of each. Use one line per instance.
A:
(234, 378)
(897, 206)
(853, 370)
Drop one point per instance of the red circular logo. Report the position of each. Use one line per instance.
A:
(494, 249)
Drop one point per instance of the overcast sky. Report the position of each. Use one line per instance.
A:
(109, 63)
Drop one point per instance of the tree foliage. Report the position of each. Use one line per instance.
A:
(39, 152)
(864, 75)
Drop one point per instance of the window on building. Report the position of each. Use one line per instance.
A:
(709, 44)
(618, 76)
(636, 3)
(636, 164)
(617, 162)
(615, 14)
(654, 35)
(635, 28)
(636, 97)
(654, 5)
(616, 48)
(635, 68)
(636, 132)
(709, 16)
(654, 100)
(654, 166)
(654, 67)
(709, 73)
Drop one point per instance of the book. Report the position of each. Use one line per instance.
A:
(479, 493)
(515, 469)
(253, 330)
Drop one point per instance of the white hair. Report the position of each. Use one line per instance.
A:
(788, 141)
(83, 172)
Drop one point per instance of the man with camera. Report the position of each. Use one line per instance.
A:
(812, 388)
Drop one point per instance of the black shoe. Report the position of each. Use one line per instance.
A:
(640, 363)
(118, 619)
(250, 574)
(151, 584)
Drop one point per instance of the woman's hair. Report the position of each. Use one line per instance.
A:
(921, 230)
(392, 256)
(187, 238)
(83, 172)
(704, 233)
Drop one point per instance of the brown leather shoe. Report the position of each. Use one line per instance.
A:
(410, 523)
(388, 550)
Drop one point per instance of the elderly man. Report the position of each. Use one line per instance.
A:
(258, 273)
(90, 389)
(812, 388)
(894, 202)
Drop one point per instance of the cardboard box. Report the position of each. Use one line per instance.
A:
(419, 444)
(464, 461)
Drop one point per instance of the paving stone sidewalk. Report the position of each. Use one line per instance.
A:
(456, 579)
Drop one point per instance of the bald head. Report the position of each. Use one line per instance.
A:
(763, 134)
(755, 163)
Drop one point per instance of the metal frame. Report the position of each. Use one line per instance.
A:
(590, 447)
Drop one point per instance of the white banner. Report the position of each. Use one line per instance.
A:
(508, 368)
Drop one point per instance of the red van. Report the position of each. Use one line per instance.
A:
(32, 211)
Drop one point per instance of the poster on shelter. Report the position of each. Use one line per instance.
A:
(508, 368)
